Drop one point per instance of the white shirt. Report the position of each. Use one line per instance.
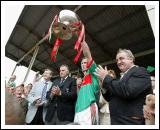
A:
(122, 74)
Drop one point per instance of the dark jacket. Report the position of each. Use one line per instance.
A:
(64, 104)
(126, 96)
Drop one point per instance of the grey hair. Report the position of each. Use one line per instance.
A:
(128, 52)
(65, 65)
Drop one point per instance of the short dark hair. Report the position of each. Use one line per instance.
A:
(84, 58)
(49, 70)
(65, 66)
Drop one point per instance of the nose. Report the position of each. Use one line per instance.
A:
(118, 63)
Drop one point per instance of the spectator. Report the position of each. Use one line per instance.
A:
(19, 90)
(126, 95)
(149, 108)
(37, 99)
(74, 76)
(14, 113)
(11, 90)
(11, 81)
(62, 97)
(104, 114)
(27, 89)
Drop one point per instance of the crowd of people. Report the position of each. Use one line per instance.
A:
(97, 98)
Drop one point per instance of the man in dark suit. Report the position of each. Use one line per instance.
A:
(126, 95)
(62, 97)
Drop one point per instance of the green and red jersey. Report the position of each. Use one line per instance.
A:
(88, 89)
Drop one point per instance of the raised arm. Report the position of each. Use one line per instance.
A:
(86, 50)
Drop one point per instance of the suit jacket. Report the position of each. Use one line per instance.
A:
(34, 93)
(64, 104)
(126, 96)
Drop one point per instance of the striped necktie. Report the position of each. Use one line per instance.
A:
(62, 80)
(43, 97)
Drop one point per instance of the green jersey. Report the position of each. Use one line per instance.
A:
(88, 89)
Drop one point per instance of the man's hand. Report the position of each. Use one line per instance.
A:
(53, 90)
(86, 50)
(147, 113)
(56, 91)
(100, 72)
(78, 82)
(38, 102)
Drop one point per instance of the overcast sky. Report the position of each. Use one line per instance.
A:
(12, 13)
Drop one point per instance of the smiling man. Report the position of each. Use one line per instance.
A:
(37, 99)
(126, 95)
